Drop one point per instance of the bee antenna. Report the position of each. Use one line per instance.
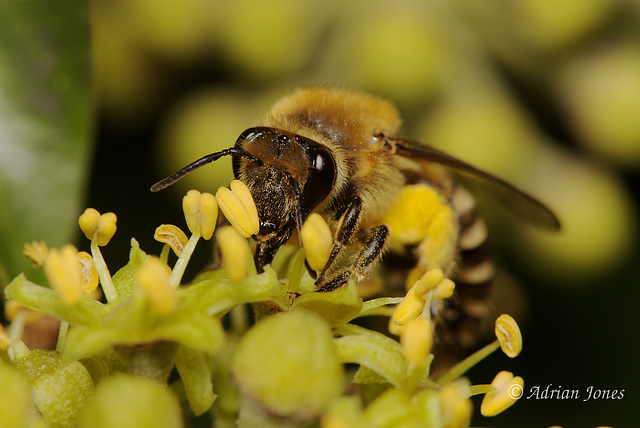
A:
(168, 181)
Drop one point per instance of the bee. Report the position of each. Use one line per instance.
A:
(337, 152)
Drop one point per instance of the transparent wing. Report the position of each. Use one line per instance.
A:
(520, 203)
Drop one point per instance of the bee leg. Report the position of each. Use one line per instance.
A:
(371, 251)
(346, 229)
(335, 282)
(369, 254)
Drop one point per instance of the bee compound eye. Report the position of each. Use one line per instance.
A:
(322, 178)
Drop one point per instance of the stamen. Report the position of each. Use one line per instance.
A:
(416, 340)
(36, 252)
(509, 335)
(153, 279)
(63, 272)
(235, 253)
(508, 389)
(239, 208)
(317, 241)
(88, 273)
(173, 236)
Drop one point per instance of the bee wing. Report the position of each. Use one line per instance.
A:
(520, 203)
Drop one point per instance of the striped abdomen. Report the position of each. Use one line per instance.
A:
(461, 316)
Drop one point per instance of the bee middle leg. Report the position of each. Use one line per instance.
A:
(345, 231)
(370, 252)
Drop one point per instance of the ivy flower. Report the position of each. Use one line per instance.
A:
(153, 323)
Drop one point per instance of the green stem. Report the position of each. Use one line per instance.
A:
(251, 270)
(239, 322)
(183, 260)
(16, 328)
(461, 368)
(414, 373)
(19, 348)
(481, 389)
(297, 271)
(164, 254)
(371, 305)
(108, 288)
(62, 336)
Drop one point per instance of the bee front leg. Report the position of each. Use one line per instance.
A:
(346, 229)
(371, 251)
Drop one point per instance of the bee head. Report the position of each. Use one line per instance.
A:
(288, 175)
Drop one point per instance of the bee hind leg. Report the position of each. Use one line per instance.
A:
(371, 251)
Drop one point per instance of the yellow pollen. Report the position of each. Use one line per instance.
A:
(508, 389)
(428, 282)
(88, 272)
(244, 196)
(101, 227)
(208, 215)
(317, 241)
(153, 279)
(173, 236)
(416, 340)
(444, 289)
(408, 309)
(36, 252)
(63, 272)
(5, 340)
(235, 253)
(457, 408)
(238, 207)
(88, 222)
(191, 209)
(509, 335)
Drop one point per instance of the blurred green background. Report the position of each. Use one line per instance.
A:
(545, 94)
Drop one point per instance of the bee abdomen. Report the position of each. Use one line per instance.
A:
(475, 265)
(462, 315)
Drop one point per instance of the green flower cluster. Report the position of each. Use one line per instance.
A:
(156, 353)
